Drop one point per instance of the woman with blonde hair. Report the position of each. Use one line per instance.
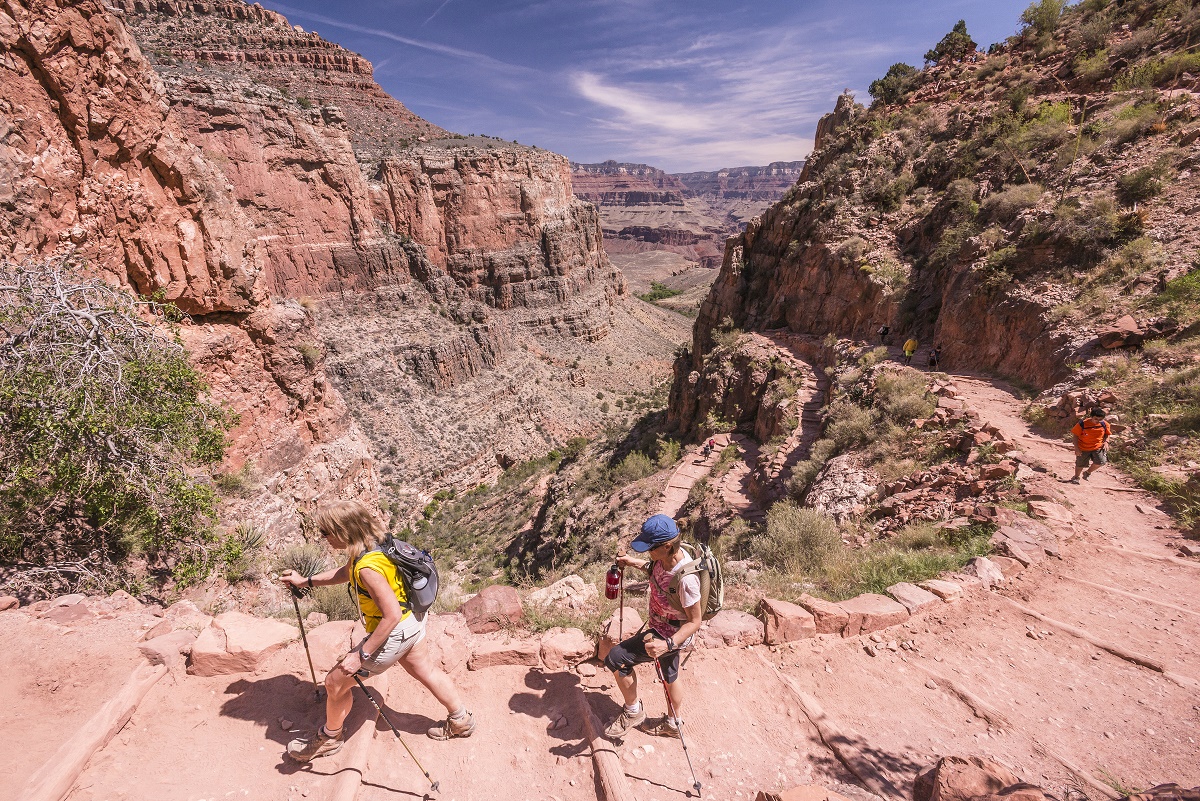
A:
(394, 633)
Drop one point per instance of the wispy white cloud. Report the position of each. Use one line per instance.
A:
(437, 11)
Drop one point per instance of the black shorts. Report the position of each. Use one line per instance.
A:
(625, 655)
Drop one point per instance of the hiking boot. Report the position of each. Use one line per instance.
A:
(624, 722)
(450, 728)
(1087, 476)
(305, 749)
(660, 728)
(1074, 481)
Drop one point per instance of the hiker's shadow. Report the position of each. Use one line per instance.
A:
(551, 700)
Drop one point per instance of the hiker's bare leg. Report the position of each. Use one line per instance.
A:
(338, 699)
(676, 692)
(420, 665)
(628, 687)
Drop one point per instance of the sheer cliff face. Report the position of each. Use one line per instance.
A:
(210, 152)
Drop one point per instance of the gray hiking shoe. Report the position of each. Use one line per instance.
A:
(660, 728)
(624, 722)
(306, 749)
(450, 728)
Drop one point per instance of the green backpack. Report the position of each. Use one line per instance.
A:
(712, 585)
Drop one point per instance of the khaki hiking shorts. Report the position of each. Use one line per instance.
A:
(408, 632)
(1096, 457)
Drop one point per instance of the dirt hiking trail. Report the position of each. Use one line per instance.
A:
(1079, 673)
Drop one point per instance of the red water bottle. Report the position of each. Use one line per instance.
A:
(612, 583)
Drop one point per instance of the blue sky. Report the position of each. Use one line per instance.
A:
(679, 84)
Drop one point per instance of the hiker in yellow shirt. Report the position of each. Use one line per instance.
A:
(910, 347)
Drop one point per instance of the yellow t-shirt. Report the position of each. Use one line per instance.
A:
(910, 346)
(377, 561)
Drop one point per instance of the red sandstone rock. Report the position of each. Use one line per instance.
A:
(563, 648)
(495, 607)
(830, 618)
(1008, 566)
(948, 591)
(1124, 332)
(449, 640)
(8, 602)
(70, 613)
(786, 622)
(237, 643)
(984, 570)
(1053, 512)
(487, 652)
(731, 628)
(122, 601)
(962, 779)
(331, 641)
(912, 597)
(869, 612)
(170, 649)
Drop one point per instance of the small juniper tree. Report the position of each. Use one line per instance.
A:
(955, 45)
(103, 423)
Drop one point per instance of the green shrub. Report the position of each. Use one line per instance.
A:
(311, 355)
(1140, 185)
(797, 540)
(902, 396)
(888, 272)
(240, 552)
(1133, 123)
(895, 85)
(633, 467)
(103, 421)
(1091, 69)
(659, 291)
(307, 559)
(851, 425)
(954, 45)
(1005, 205)
(1043, 16)
(1134, 258)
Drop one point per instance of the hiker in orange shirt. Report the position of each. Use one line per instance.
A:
(1091, 444)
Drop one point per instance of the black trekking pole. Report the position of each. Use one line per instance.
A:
(304, 638)
(678, 725)
(433, 786)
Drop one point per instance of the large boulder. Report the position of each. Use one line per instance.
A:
(563, 648)
(186, 615)
(503, 650)
(731, 629)
(828, 616)
(169, 649)
(121, 601)
(985, 570)
(1125, 332)
(912, 597)
(842, 487)
(449, 641)
(494, 608)
(962, 779)
(786, 622)
(237, 643)
(869, 612)
(571, 593)
(1167, 792)
(618, 627)
(329, 642)
(65, 614)
(8, 602)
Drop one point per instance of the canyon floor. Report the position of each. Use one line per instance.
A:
(1098, 695)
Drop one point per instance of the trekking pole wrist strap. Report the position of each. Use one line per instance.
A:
(310, 582)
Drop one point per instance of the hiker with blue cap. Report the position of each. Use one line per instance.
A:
(675, 615)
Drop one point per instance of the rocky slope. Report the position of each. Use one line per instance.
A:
(1008, 206)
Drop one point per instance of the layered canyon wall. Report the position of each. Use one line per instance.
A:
(255, 175)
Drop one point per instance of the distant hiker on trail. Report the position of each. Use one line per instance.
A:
(394, 633)
(935, 357)
(708, 448)
(1091, 443)
(883, 334)
(910, 347)
(668, 630)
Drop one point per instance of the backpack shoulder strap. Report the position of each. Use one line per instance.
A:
(691, 567)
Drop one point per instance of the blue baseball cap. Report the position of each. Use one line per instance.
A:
(655, 531)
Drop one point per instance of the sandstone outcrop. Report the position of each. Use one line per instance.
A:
(962, 779)
(237, 643)
(494, 608)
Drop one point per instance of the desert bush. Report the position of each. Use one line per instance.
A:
(666, 453)
(797, 540)
(1138, 186)
(633, 467)
(1043, 15)
(1141, 41)
(1134, 258)
(853, 249)
(241, 551)
(902, 396)
(1181, 296)
(1092, 36)
(888, 272)
(1005, 205)
(954, 46)
(311, 354)
(335, 601)
(307, 559)
(1091, 69)
(102, 422)
(851, 425)
(1133, 122)
(895, 85)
